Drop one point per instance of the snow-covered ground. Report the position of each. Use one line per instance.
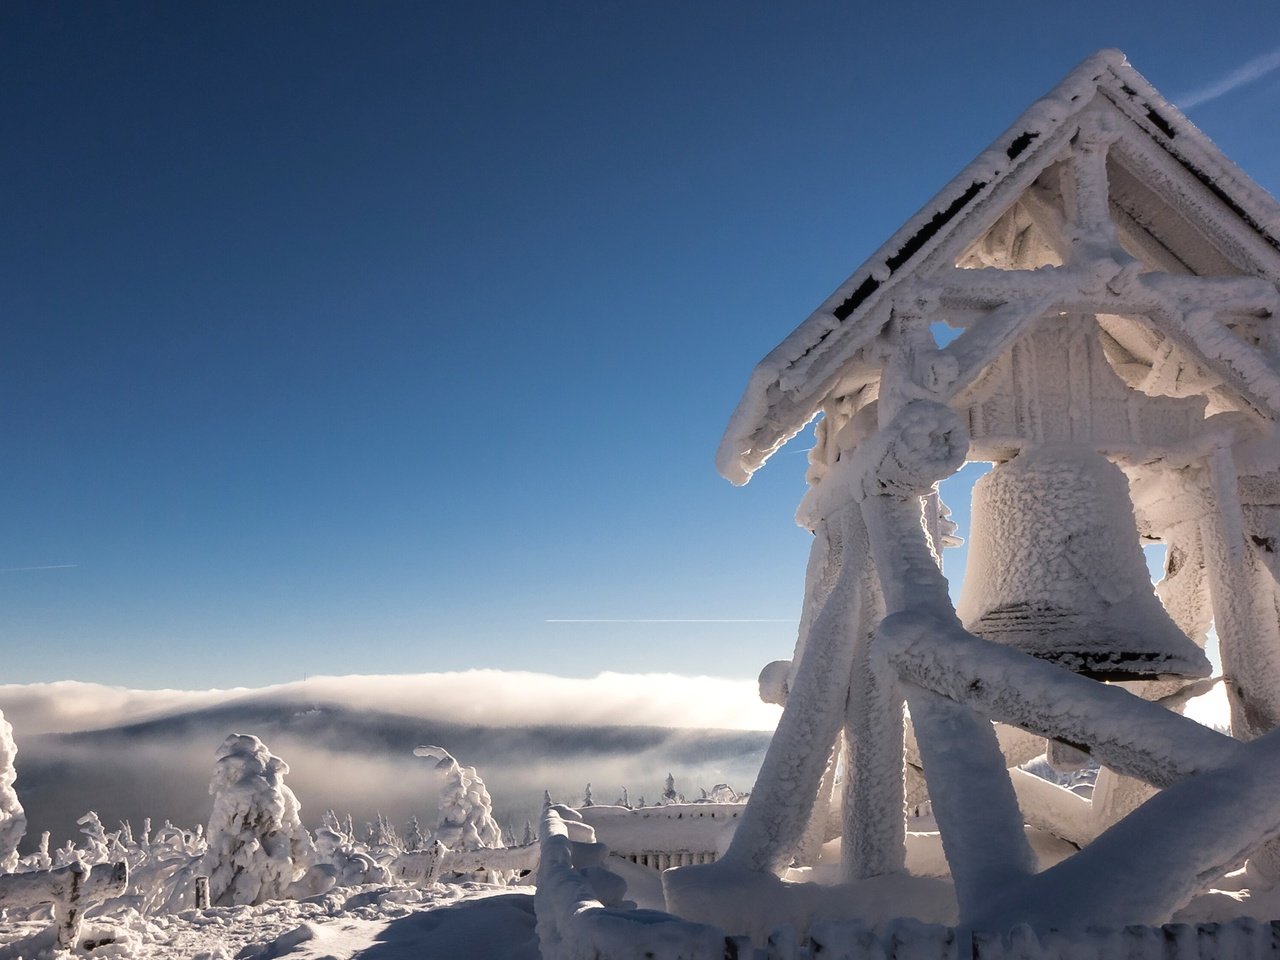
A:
(376, 922)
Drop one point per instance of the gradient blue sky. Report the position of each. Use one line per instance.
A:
(350, 338)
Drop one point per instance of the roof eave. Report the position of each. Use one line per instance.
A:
(750, 439)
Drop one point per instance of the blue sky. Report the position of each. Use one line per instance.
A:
(350, 338)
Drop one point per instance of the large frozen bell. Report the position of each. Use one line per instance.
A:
(1055, 569)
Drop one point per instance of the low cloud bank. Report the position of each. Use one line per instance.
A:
(484, 697)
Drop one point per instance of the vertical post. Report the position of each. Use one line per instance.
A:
(1243, 609)
(873, 811)
(923, 443)
(779, 807)
(1088, 194)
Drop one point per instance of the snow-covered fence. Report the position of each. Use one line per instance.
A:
(420, 867)
(494, 860)
(581, 914)
(70, 890)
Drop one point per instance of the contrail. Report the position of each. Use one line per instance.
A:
(1255, 69)
(674, 620)
(47, 566)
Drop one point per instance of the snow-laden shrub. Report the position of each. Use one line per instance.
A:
(466, 809)
(13, 820)
(39, 859)
(98, 845)
(347, 860)
(163, 868)
(257, 843)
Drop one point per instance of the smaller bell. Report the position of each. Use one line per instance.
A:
(1055, 569)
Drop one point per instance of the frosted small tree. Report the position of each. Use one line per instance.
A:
(97, 843)
(413, 838)
(669, 794)
(384, 843)
(13, 820)
(587, 799)
(257, 844)
(466, 809)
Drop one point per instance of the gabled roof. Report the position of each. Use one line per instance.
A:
(787, 388)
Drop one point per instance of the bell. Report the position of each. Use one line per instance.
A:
(1055, 569)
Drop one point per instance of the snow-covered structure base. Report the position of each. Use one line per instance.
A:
(1111, 285)
(582, 913)
(670, 835)
(582, 916)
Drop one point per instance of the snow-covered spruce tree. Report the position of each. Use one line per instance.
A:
(669, 793)
(257, 845)
(343, 857)
(413, 838)
(13, 821)
(384, 843)
(587, 799)
(466, 809)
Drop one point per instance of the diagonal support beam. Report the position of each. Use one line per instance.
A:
(1131, 735)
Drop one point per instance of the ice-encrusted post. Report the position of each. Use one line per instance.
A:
(1241, 589)
(1093, 232)
(780, 805)
(1243, 612)
(963, 764)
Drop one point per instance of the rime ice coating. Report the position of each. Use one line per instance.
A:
(257, 843)
(13, 821)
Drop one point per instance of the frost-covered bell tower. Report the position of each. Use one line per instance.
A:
(1109, 284)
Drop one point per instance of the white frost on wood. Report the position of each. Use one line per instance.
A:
(1129, 734)
(1158, 857)
(787, 388)
(787, 786)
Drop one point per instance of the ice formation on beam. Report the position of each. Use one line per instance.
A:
(1116, 284)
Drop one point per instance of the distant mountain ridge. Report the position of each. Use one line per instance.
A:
(358, 761)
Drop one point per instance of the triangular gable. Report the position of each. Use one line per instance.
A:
(1181, 203)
